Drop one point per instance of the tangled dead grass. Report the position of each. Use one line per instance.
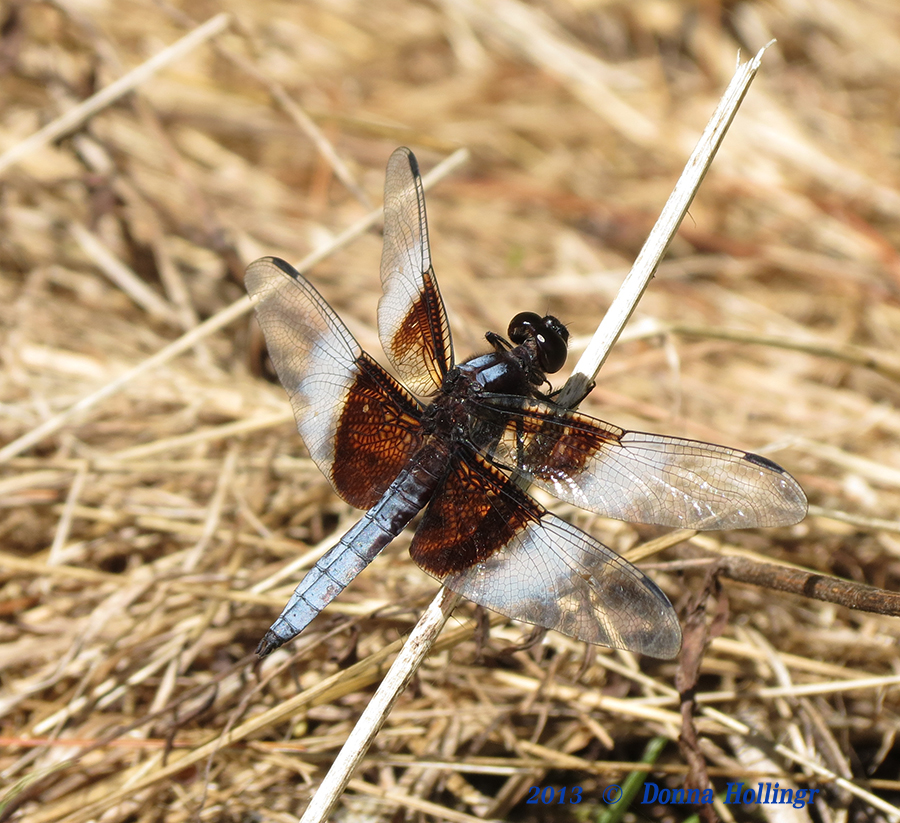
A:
(151, 536)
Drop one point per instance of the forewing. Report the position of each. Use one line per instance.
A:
(484, 538)
(412, 322)
(639, 477)
(359, 425)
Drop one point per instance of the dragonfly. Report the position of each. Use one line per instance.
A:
(457, 442)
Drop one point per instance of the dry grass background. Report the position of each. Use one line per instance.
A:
(150, 540)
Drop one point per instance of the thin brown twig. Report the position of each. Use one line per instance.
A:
(813, 585)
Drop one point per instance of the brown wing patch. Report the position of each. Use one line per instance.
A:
(420, 347)
(473, 515)
(377, 433)
(557, 442)
(547, 442)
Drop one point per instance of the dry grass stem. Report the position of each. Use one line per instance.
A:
(660, 236)
(76, 116)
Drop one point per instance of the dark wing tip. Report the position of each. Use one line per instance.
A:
(662, 638)
(413, 163)
(403, 151)
(287, 268)
(794, 504)
(261, 264)
(666, 645)
(759, 460)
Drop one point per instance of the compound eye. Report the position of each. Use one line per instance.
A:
(552, 337)
(523, 326)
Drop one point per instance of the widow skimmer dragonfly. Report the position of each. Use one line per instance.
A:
(481, 535)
